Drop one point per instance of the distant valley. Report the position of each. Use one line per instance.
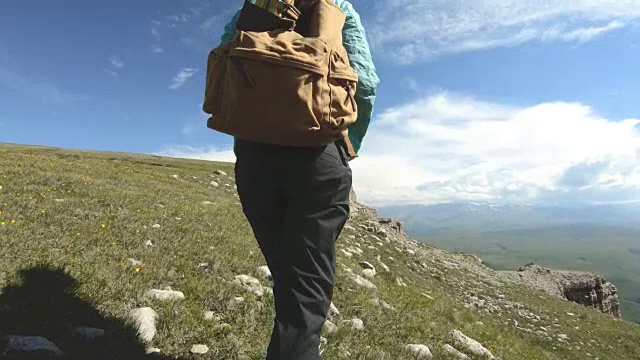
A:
(603, 239)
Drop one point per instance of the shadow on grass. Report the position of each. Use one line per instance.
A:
(44, 303)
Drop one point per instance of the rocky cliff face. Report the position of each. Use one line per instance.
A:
(584, 288)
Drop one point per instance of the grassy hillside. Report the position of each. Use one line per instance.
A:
(71, 219)
(610, 251)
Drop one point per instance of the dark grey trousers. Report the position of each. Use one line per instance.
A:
(297, 202)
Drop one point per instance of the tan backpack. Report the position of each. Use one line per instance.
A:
(279, 87)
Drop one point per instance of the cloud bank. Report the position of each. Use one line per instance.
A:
(447, 147)
(413, 31)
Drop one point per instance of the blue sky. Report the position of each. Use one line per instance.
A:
(492, 100)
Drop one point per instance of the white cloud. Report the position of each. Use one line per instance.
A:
(412, 31)
(116, 62)
(156, 49)
(189, 152)
(447, 147)
(183, 76)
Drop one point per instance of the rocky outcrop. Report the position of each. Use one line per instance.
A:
(584, 288)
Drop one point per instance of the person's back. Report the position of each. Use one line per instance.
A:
(297, 201)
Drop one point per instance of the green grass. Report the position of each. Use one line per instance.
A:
(79, 215)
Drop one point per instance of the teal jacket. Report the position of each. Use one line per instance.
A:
(355, 41)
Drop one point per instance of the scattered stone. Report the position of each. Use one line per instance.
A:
(207, 202)
(152, 351)
(346, 253)
(214, 184)
(356, 324)
(563, 337)
(471, 345)
(571, 314)
(88, 333)
(400, 282)
(56, 200)
(362, 282)
(175, 176)
(382, 303)
(199, 349)
(428, 296)
(31, 344)
(419, 351)
(203, 265)
(220, 172)
(333, 311)
(164, 295)
(249, 283)
(265, 272)
(366, 265)
(156, 226)
(235, 301)
(368, 273)
(133, 263)
(330, 327)
(479, 323)
(149, 244)
(145, 321)
(453, 352)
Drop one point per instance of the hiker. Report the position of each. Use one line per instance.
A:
(295, 197)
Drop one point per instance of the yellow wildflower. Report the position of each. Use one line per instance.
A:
(137, 270)
(13, 221)
(77, 234)
(103, 225)
(2, 223)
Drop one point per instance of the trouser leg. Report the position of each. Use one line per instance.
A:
(317, 193)
(297, 202)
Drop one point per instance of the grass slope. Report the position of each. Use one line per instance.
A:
(80, 215)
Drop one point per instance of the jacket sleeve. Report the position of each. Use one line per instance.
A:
(355, 41)
(230, 29)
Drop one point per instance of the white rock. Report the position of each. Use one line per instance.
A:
(214, 184)
(220, 172)
(156, 226)
(265, 272)
(236, 301)
(400, 282)
(149, 244)
(384, 266)
(333, 311)
(164, 295)
(330, 327)
(133, 263)
(411, 252)
(153, 350)
(470, 344)
(199, 349)
(207, 202)
(346, 253)
(366, 265)
(145, 321)
(175, 176)
(419, 351)
(428, 296)
(571, 314)
(58, 200)
(362, 282)
(249, 283)
(369, 273)
(32, 344)
(355, 323)
(453, 352)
